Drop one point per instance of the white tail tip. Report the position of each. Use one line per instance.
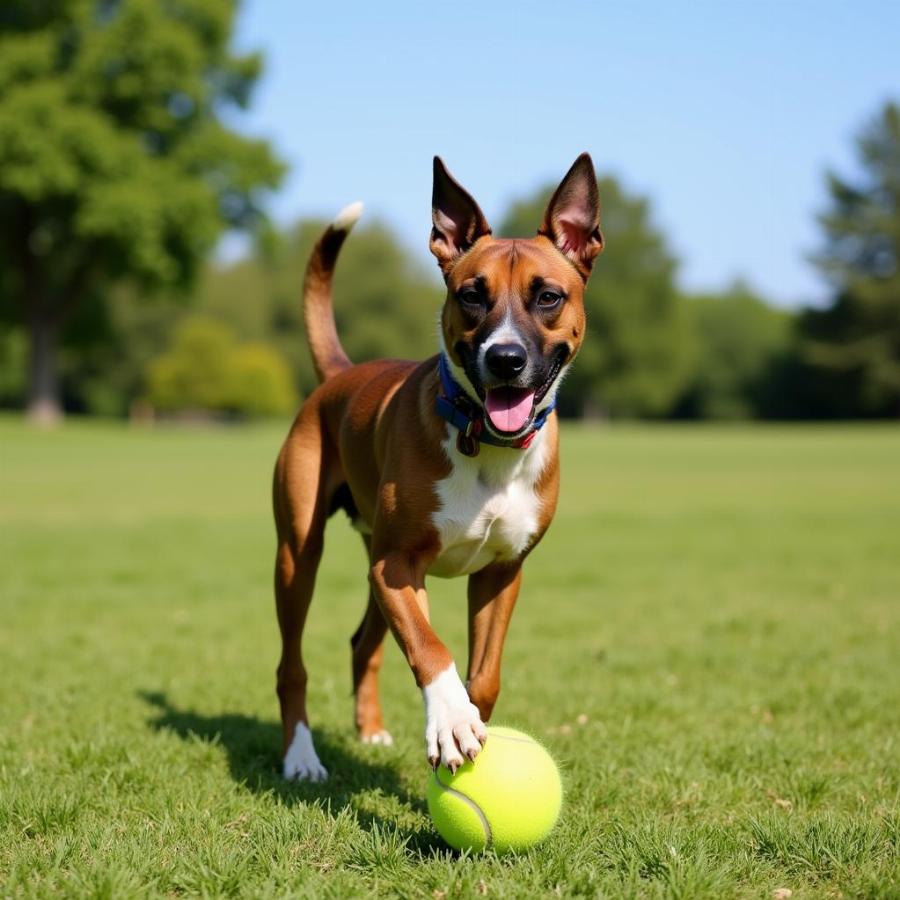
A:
(347, 217)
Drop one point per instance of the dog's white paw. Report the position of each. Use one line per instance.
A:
(301, 763)
(453, 727)
(379, 737)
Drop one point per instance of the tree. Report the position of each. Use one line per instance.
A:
(739, 342)
(636, 351)
(114, 162)
(854, 345)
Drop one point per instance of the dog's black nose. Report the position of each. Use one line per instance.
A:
(505, 360)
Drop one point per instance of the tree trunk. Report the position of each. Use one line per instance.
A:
(44, 406)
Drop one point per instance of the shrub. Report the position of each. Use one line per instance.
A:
(261, 381)
(206, 369)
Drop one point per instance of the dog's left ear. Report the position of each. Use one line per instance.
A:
(458, 221)
(572, 218)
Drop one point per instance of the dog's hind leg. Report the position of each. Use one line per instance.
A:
(300, 488)
(368, 650)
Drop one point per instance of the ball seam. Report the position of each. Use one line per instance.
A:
(488, 837)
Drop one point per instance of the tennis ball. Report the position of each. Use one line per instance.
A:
(508, 798)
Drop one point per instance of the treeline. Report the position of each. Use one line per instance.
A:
(234, 345)
(114, 191)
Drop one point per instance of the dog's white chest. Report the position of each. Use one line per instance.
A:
(489, 507)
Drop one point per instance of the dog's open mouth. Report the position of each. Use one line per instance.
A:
(555, 366)
(508, 408)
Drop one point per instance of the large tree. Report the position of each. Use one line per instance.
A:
(636, 353)
(115, 164)
(854, 345)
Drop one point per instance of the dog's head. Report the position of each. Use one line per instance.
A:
(514, 318)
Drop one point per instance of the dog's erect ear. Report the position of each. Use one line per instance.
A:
(572, 218)
(458, 221)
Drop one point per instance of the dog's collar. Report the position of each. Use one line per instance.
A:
(454, 406)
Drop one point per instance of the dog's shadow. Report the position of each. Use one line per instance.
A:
(252, 744)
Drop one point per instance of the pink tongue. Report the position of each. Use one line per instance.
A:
(508, 408)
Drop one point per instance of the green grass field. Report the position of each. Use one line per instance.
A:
(708, 641)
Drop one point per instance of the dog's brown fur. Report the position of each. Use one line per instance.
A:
(368, 439)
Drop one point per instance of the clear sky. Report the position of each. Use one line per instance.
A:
(725, 113)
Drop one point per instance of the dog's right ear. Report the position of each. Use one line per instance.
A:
(458, 221)
(572, 219)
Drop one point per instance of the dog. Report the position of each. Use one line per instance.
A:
(447, 467)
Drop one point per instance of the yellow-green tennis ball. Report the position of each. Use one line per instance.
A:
(507, 799)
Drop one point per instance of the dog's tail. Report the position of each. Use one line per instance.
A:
(328, 355)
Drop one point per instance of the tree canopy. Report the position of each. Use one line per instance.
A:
(854, 345)
(115, 164)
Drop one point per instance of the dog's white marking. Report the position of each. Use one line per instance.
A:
(489, 506)
(347, 217)
(504, 333)
(452, 721)
(301, 761)
(379, 737)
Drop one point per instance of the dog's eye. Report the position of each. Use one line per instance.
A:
(470, 298)
(549, 299)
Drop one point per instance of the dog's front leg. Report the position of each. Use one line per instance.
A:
(453, 726)
(492, 596)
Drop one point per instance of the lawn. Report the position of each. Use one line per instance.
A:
(708, 641)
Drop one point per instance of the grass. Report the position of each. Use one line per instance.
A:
(719, 607)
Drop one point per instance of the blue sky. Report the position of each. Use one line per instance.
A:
(726, 114)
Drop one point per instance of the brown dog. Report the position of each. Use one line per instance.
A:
(447, 467)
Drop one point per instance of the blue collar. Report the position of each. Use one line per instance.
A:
(454, 406)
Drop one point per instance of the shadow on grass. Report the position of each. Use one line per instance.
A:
(252, 746)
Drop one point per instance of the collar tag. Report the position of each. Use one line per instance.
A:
(467, 445)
